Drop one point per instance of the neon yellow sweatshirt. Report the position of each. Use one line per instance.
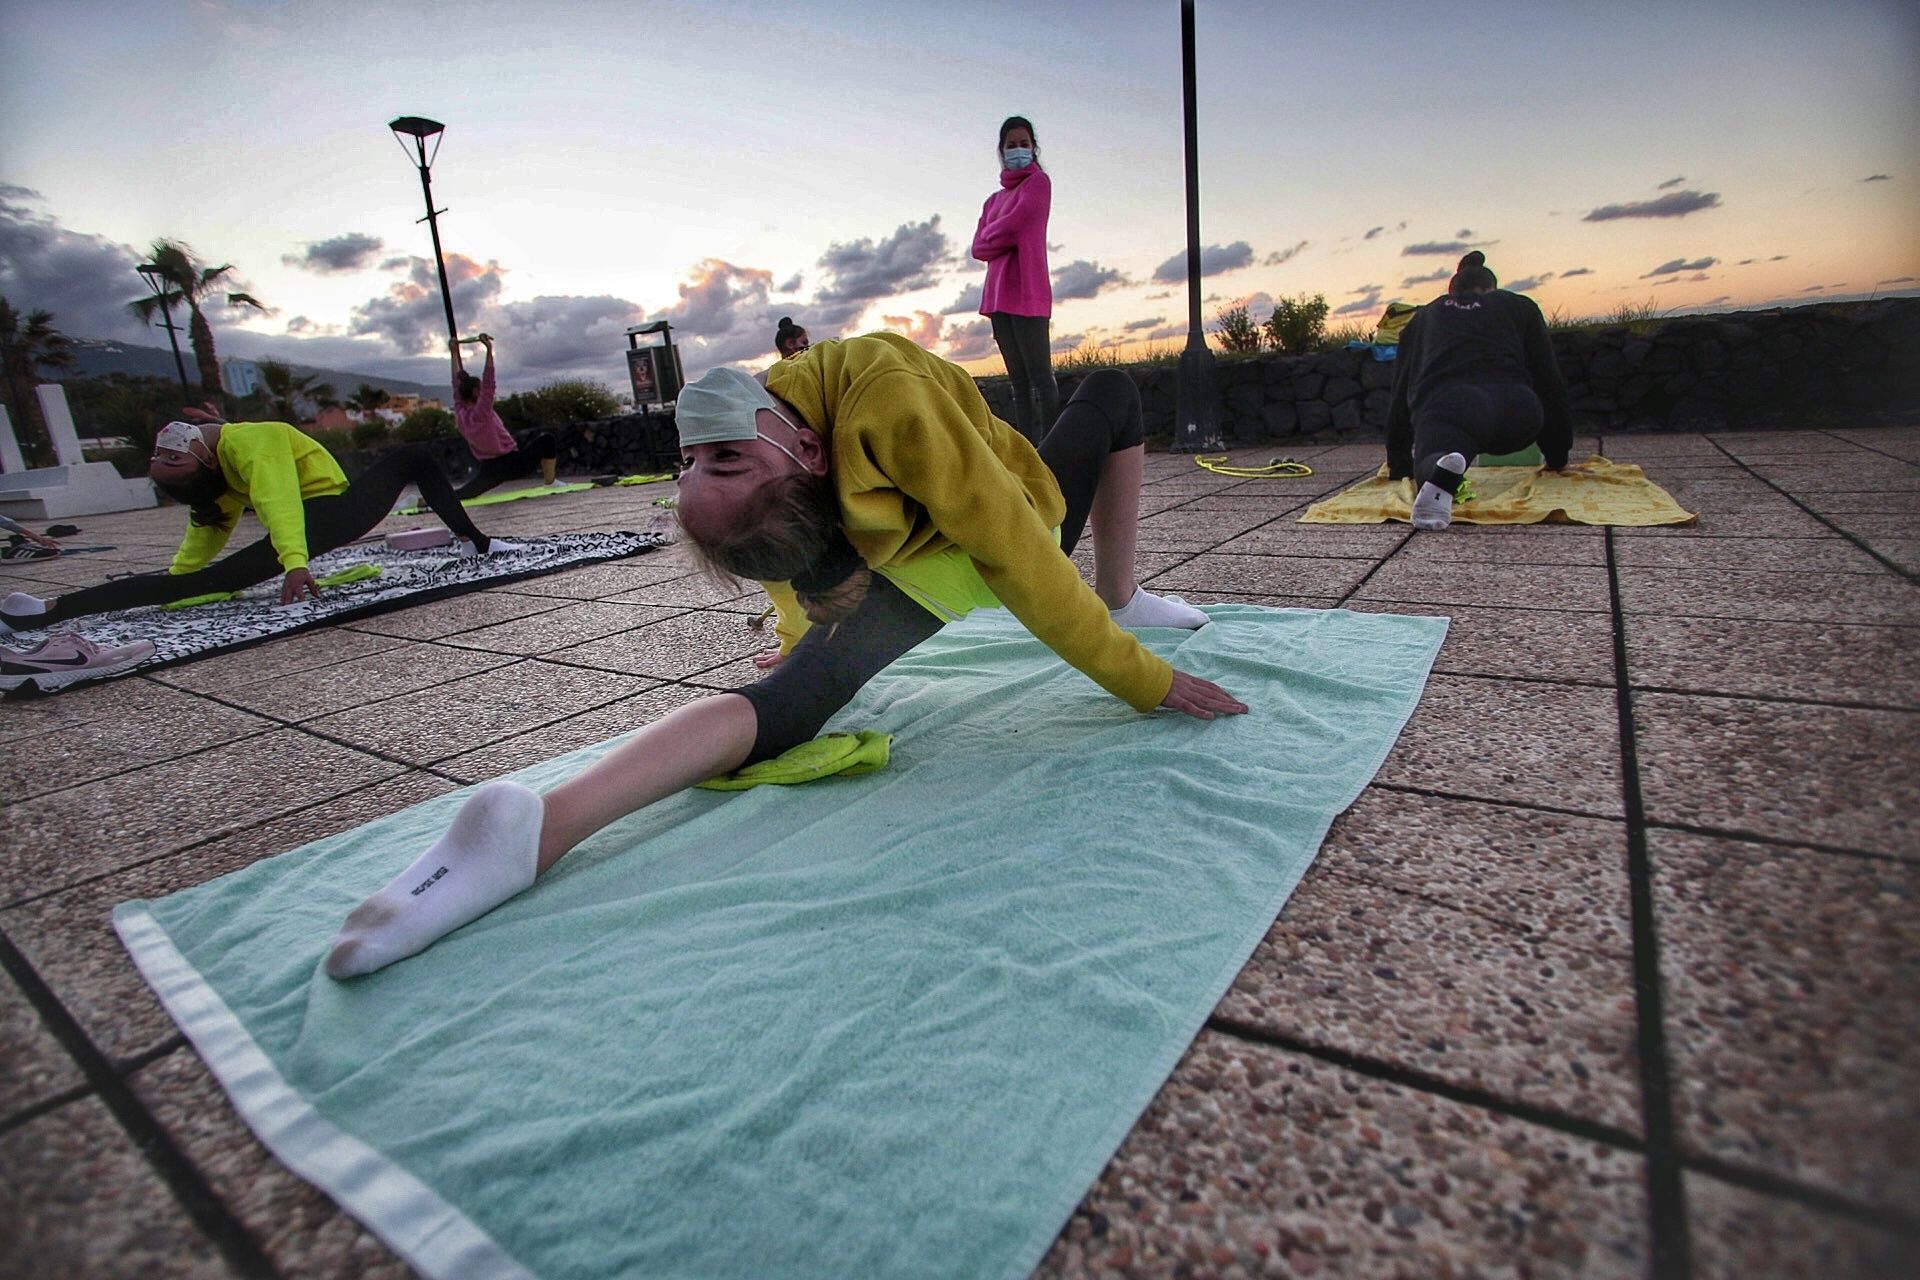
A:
(273, 468)
(926, 475)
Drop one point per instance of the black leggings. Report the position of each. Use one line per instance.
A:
(830, 664)
(528, 453)
(1472, 418)
(332, 520)
(1026, 344)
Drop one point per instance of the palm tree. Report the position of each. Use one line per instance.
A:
(285, 388)
(369, 399)
(27, 345)
(191, 281)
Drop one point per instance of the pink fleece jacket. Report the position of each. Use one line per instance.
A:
(1012, 241)
(486, 435)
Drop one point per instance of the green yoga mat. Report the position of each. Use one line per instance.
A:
(498, 496)
(891, 1025)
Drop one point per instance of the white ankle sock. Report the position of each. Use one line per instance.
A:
(1149, 610)
(1433, 506)
(21, 606)
(489, 854)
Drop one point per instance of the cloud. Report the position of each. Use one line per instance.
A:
(1895, 280)
(1671, 183)
(1878, 177)
(1465, 233)
(1372, 232)
(922, 327)
(1577, 271)
(1435, 248)
(1527, 284)
(84, 280)
(1368, 302)
(1677, 204)
(1214, 260)
(864, 271)
(791, 285)
(410, 317)
(307, 327)
(969, 300)
(1083, 279)
(1280, 256)
(1167, 331)
(971, 341)
(1695, 278)
(1778, 257)
(1068, 342)
(1674, 265)
(350, 252)
(1429, 278)
(1154, 322)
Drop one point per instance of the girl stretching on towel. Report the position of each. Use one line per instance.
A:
(1475, 374)
(296, 488)
(875, 498)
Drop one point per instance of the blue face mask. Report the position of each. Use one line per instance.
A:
(1017, 157)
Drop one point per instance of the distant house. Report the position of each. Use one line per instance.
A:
(332, 418)
(239, 377)
(406, 404)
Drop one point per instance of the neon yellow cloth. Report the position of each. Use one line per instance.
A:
(359, 573)
(539, 491)
(846, 755)
(273, 468)
(1592, 492)
(656, 478)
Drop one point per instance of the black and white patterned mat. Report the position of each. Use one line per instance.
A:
(406, 578)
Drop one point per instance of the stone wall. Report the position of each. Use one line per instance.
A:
(1785, 367)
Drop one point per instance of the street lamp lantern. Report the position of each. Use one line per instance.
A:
(156, 280)
(422, 131)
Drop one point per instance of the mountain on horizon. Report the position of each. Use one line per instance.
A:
(98, 357)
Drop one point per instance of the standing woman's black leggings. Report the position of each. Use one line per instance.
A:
(333, 521)
(1026, 344)
(1470, 418)
(528, 453)
(830, 664)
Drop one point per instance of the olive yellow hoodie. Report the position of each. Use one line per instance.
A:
(273, 468)
(934, 490)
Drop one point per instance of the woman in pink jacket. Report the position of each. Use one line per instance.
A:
(1018, 295)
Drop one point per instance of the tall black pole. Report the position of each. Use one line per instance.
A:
(1194, 427)
(439, 260)
(155, 282)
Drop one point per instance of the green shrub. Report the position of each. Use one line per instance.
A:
(572, 400)
(370, 434)
(1237, 332)
(1299, 324)
(425, 423)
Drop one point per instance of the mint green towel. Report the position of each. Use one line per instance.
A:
(885, 1026)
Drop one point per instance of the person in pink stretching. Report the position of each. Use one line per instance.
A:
(500, 456)
(1017, 298)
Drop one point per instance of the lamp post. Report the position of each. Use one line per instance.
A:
(157, 281)
(420, 129)
(1194, 426)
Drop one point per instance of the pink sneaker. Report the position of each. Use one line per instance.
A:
(60, 660)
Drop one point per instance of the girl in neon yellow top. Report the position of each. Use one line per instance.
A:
(876, 498)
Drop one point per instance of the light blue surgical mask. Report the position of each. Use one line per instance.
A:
(1017, 157)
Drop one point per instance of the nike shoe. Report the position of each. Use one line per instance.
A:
(68, 657)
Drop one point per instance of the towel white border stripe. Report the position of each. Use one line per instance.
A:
(435, 1238)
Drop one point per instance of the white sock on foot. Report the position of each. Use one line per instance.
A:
(1433, 506)
(1149, 610)
(21, 606)
(489, 854)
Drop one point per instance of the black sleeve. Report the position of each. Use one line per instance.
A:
(1556, 432)
(1399, 413)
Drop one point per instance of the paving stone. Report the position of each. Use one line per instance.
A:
(1772, 523)
(699, 591)
(1514, 546)
(1905, 502)
(1543, 644)
(276, 659)
(1387, 974)
(1784, 771)
(673, 648)
(301, 1230)
(1739, 1234)
(1527, 586)
(1204, 527)
(444, 618)
(69, 939)
(1787, 596)
(547, 633)
(448, 719)
(1779, 557)
(1257, 1162)
(109, 745)
(1628, 446)
(67, 836)
(1528, 744)
(1817, 661)
(601, 581)
(78, 1202)
(404, 668)
(1793, 1034)
(1849, 476)
(33, 1065)
(1290, 538)
(570, 734)
(1203, 575)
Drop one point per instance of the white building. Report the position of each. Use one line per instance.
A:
(239, 377)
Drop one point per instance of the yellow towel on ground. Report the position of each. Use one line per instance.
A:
(1592, 492)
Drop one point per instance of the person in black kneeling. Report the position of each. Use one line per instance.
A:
(1475, 374)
